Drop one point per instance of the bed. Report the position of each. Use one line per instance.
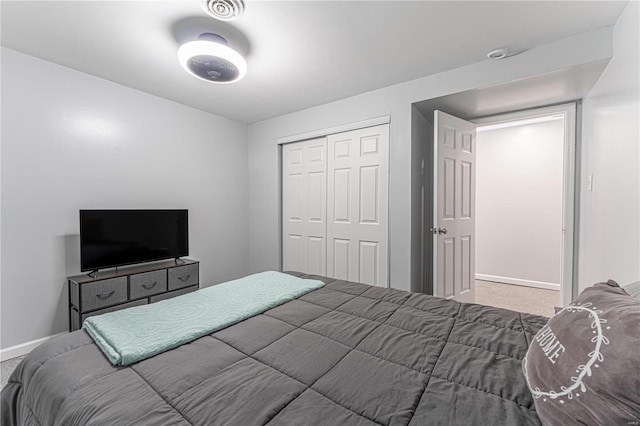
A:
(344, 354)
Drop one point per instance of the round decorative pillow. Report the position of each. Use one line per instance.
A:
(583, 366)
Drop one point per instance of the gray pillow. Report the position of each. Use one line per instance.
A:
(633, 289)
(583, 366)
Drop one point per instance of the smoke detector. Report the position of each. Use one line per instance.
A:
(497, 54)
(210, 58)
(223, 10)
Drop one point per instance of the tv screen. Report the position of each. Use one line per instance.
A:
(111, 238)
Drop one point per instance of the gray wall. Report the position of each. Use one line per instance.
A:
(421, 194)
(73, 141)
(396, 101)
(610, 213)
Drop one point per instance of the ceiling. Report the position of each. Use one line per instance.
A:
(299, 53)
(557, 87)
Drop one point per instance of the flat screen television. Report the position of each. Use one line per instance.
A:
(110, 238)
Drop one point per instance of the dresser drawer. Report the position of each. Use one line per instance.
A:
(170, 294)
(183, 276)
(147, 284)
(101, 294)
(77, 319)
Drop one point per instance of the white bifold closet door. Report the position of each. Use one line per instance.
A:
(355, 196)
(304, 206)
(357, 205)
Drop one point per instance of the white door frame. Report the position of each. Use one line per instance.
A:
(568, 111)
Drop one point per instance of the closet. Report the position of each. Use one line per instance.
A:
(335, 205)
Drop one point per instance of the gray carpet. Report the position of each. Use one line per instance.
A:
(531, 300)
(6, 367)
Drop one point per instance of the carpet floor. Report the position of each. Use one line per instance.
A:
(531, 300)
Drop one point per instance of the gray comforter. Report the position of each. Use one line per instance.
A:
(345, 354)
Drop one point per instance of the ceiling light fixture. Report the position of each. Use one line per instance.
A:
(210, 58)
(224, 10)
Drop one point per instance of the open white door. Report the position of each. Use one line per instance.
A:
(454, 203)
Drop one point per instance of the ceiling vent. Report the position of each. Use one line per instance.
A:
(210, 59)
(223, 10)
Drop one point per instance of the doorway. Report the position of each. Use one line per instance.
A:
(519, 202)
(532, 229)
(560, 231)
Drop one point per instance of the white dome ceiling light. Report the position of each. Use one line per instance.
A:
(210, 58)
(223, 10)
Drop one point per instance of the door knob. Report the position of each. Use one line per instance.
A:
(435, 231)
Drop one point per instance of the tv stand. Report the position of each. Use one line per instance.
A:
(120, 288)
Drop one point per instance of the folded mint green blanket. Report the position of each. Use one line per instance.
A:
(137, 333)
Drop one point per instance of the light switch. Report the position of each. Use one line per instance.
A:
(589, 182)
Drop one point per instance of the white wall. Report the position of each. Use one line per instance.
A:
(519, 172)
(72, 141)
(264, 210)
(610, 213)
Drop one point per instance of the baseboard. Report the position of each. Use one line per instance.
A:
(518, 281)
(24, 348)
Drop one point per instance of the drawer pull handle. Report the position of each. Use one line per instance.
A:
(150, 286)
(105, 295)
(185, 278)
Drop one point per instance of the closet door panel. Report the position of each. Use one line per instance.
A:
(341, 260)
(340, 195)
(304, 206)
(357, 221)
